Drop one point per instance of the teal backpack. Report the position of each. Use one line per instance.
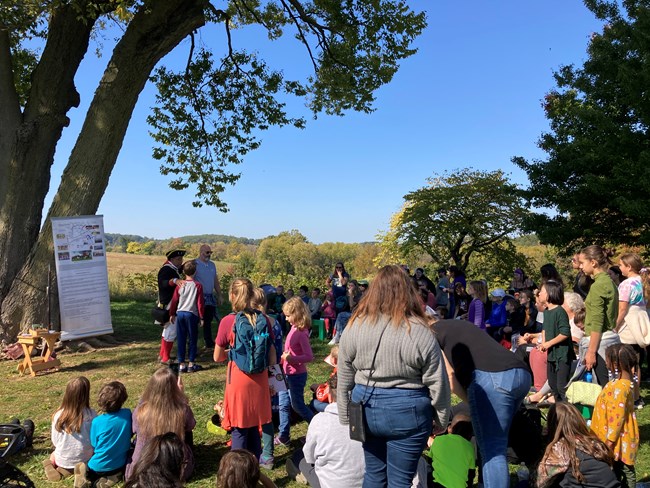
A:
(250, 350)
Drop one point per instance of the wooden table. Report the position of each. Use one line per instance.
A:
(45, 361)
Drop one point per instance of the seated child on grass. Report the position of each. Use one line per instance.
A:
(453, 455)
(110, 436)
(321, 398)
(71, 431)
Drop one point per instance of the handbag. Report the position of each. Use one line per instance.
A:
(160, 315)
(583, 393)
(356, 414)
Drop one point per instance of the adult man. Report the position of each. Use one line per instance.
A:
(329, 459)
(168, 279)
(206, 274)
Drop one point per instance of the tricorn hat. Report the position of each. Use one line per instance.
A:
(174, 253)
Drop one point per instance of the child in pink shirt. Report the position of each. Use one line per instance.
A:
(297, 352)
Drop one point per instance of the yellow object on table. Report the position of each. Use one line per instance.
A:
(45, 361)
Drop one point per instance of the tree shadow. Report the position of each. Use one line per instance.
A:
(207, 458)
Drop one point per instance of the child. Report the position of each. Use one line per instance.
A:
(461, 301)
(186, 310)
(574, 456)
(556, 339)
(614, 420)
(315, 304)
(258, 302)
(321, 391)
(476, 314)
(452, 455)
(238, 469)
(328, 313)
(516, 316)
(160, 465)
(110, 436)
(163, 408)
(71, 431)
(498, 316)
(297, 352)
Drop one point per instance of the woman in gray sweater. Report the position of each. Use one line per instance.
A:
(390, 361)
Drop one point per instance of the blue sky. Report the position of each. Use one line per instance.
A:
(469, 97)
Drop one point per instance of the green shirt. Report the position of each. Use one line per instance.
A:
(601, 305)
(452, 457)
(556, 322)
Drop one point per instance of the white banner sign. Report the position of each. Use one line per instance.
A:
(82, 276)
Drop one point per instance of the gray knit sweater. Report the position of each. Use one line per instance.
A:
(405, 359)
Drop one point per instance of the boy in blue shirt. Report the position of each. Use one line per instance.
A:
(110, 436)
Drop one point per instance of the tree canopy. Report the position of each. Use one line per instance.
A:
(458, 215)
(208, 116)
(594, 181)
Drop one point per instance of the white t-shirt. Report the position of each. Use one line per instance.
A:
(70, 449)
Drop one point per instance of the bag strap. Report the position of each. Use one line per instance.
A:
(374, 357)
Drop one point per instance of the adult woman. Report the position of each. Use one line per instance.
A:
(494, 383)
(633, 324)
(338, 280)
(391, 362)
(601, 308)
(163, 408)
(246, 402)
(521, 282)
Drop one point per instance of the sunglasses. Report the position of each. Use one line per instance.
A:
(208, 252)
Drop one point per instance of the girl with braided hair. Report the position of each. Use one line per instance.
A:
(614, 418)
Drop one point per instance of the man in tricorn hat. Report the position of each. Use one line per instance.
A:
(169, 278)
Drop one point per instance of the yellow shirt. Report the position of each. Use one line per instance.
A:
(614, 420)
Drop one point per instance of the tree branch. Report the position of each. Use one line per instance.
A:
(303, 38)
(194, 97)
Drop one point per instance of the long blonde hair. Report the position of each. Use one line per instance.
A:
(392, 294)
(76, 401)
(299, 313)
(163, 405)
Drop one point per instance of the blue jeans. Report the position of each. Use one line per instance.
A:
(494, 398)
(399, 422)
(294, 398)
(248, 438)
(341, 321)
(186, 327)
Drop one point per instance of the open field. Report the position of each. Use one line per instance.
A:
(132, 362)
(123, 264)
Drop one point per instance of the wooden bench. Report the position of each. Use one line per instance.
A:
(45, 361)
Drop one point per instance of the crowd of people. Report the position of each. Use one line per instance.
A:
(401, 346)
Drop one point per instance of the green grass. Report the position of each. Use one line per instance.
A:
(133, 362)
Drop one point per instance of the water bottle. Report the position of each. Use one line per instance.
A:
(589, 377)
(522, 472)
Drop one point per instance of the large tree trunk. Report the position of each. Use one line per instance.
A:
(151, 34)
(28, 140)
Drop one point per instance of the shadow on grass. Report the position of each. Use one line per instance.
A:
(207, 458)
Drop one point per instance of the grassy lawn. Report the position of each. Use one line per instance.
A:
(133, 362)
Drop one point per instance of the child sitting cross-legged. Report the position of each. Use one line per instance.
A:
(453, 455)
(110, 436)
(71, 431)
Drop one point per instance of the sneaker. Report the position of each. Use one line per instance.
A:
(194, 368)
(281, 441)
(267, 462)
(182, 368)
(294, 473)
(80, 480)
(639, 404)
(331, 343)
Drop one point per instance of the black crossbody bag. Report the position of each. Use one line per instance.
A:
(356, 416)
